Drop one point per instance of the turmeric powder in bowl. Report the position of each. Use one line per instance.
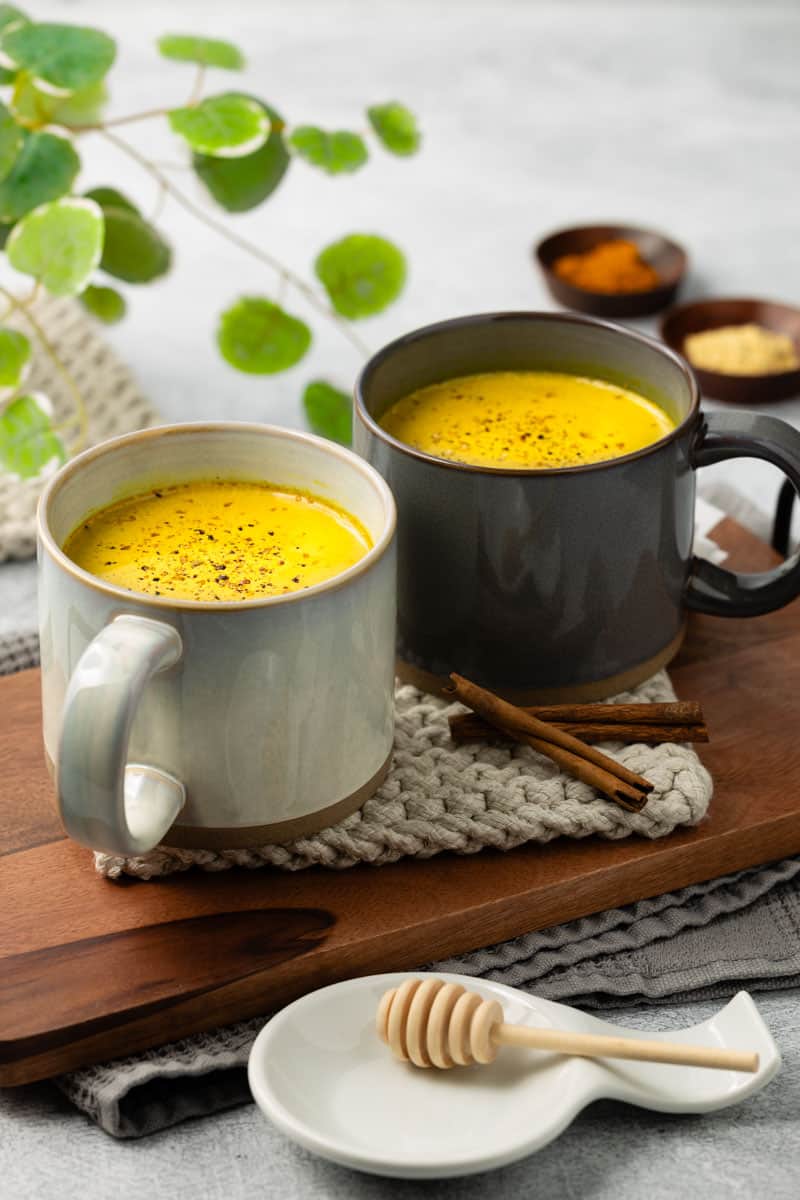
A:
(610, 267)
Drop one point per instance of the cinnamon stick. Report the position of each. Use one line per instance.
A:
(592, 766)
(602, 781)
(673, 712)
(468, 727)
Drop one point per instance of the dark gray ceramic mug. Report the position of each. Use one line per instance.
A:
(571, 583)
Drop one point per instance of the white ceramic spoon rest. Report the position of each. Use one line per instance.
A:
(319, 1071)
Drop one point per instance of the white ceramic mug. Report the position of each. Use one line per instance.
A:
(214, 724)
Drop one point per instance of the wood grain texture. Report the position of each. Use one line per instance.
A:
(27, 813)
(91, 969)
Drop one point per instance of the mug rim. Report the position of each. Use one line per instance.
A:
(436, 327)
(129, 596)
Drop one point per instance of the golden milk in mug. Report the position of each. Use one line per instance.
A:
(218, 539)
(526, 419)
(209, 712)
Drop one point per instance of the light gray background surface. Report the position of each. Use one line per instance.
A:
(536, 115)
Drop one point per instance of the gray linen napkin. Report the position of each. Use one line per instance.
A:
(705, 941)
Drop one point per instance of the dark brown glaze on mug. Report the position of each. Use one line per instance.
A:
(566, 583)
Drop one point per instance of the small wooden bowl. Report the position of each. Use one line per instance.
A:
(680, 322)
(668, 258)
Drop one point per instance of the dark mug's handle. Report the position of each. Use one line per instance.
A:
(712, 589)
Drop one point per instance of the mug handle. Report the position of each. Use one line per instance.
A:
(711, 588)
(106, 802)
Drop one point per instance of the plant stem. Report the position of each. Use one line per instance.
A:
(81, 415)
(284, 272)
(97, 126)
(197, 90)
(159, 203)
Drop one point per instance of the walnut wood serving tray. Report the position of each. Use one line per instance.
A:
(90, 969)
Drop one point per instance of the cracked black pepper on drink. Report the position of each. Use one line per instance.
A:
(218, 540)
(526, 420)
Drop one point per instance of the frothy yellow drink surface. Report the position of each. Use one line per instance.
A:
(526, 419)
(218, 540)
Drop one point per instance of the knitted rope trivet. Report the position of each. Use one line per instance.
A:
(113, 402)
(439, 796)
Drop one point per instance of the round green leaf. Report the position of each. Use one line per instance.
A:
(396, 126)
(10, 141)
(34, 107)
(28, 442)
(362, 274)
(133, 250)
(15, 352)
(239, 184)
(59, 244)
(68, 57)
(11, 16)
(207, 52)
(258, 337)
(105, 303)
(45, 169)
(329, 411)
(109, 197)
(333, 152)
(228, 126)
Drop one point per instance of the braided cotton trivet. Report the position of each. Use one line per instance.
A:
(439, 796)
(113, 402)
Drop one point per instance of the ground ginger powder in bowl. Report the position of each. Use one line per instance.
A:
(742, 350)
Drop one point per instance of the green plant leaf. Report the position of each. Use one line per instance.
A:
(227, 126)
(15, 353)
(28, 441)
(329, 411)
(362, 274)
(333, 152)
(396, 127)
(11, 16)
(258, 337)
(59, 243)
(45, 169)
(239, 184)
(35, 108)
(109, 197)
(68, 57)
(133, 250)
(10, 141)
(105, 303)
(32, 107)
(7, 75)
(207, 52)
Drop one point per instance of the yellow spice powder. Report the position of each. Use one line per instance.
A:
(742, 350)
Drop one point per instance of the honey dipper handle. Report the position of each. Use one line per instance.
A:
(589, 1045)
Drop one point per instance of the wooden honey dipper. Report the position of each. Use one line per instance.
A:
(436, 1024)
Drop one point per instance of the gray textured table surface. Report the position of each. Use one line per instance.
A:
(682, 116)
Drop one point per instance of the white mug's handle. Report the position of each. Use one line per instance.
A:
(106, 802)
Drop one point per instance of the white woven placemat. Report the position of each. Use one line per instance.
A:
(440, 796)
(113, 402)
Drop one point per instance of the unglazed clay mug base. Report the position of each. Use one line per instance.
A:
(214, 725)
(563, 584)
